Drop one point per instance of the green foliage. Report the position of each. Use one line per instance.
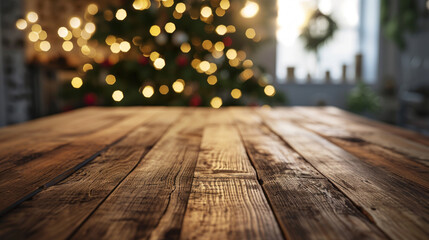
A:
(319, 30)
(363, 99)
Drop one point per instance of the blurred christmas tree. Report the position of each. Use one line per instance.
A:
(191, 53)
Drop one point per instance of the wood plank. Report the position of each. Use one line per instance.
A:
(405, 133)
(57, 211)
(400, 209)
(306, 204)
(226, 200)
(152, 199)
(375, 155)
(25, 180)
(412, 150)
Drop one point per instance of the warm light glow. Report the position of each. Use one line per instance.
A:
(207, 44)
(36, 28)
(110, 40)
(155, 30)
(153, 56)
(248, 63)
(45, 46)
(216, 102)
(220, 12)
(269, 90)
(221, 30)
(291, 18)
(110, 79)
(141, 4)
(75, 22)
(231, 29)
(180, 7)
(250, 9)
(32, 17)
(90, 27)
(250, 33)
(159, 63)
(224, 4)
(179, 85)
(76, 82)
(234, 62)
(92, 9)
(85, 50)
(163, 89)
(125, 46)
(115, 48)
(185, 47)
(148, 91)
(86, 67)
(231, 53)
(212, 80)
(117, 95)
(219, 46)
(33, 36)
(121, 14)
(43, 35)
(236, 93)
(69, 36)
(246, 74)
(62, 32)
(167, 3)
(204, 65)
(170, 27)
(67, 46)
(21, 24)
(206, 11)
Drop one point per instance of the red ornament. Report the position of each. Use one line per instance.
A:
(143, 60)
(182, 60)
(90, 99)
(227, 41)
(195, 101)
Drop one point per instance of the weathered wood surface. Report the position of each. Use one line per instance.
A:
(233, 173)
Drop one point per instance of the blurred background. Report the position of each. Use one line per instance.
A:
(370, 57)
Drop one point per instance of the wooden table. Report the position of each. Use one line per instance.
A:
(194, 173)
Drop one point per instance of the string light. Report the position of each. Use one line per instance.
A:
(250, 33)
(76, 82)
(115, 48)
(92, 9)
(118, 95)
(269, 90)
(154, 55)
(45, 46)
(155, 30)
(110, 79)
(141, 4)
(180, 7)
(110, 40)
(248, 63)
(185, 47)
(207, 44)
(224, 4)
(178, 85)
(21, 24)
(69, 36)
(212, 79)
(167, 3)
(163, 89)
(148, 91)
(32, 17)
(124, 46)
(121, 14)
(87, 66)
(219, 46)
(231, 53)
(62, 32)
(216, 102)
(246, 74)
(43, 35)
(236, 93)
(67, 46)
(221, 30)
(206, 11)
(250, 9)
(85, 50)
(36, 28)
(33, 36)
(204, 65)
(75, 22)
(90, 27)
(159, 63)
(170, 27)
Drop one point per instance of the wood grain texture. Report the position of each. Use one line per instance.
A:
(155, 192)
(28, 177)
(57, 211)
(226, 201)
(307, 205)
(398, 208)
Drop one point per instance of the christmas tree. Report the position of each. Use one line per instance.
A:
(189, 53)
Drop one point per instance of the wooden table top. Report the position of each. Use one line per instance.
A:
(196, 173)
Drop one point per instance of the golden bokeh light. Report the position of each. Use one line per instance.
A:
(90, 27)
(121, 14)
(33, 36)
(154, 55)
(231, 53)
(62, 32)
(216, 102)
(141, 4)
(236, 93)
(69, 36)
(250, 9)
(248, 63)
(219, 46)
(246, 74)
(234, 62)
(75, 22)
(220, 12)
(185, 47)
(148, 91)
(36, 28)
(125, 46)
(45, 46)
(180, 7)
(170, 27)
(85, 50)
(212, 79)
(67, 46)
(118, 95)
(221, 30)
(32, 17)
(159, 63)
(155, 30)
(269, 90)
(250, 33)
(21, 24)
(110, 40)
(43, 35)
(108, 15)
(163, 89)
(224, 4)
(76, 82)
(206, 11)
(178, 85)
(207, 44)
(115, 48)
(204, 66)
(87, 66)
(92, 9)
(167, 3)
(110, 79)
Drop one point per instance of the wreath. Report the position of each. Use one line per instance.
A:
(319, 29)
